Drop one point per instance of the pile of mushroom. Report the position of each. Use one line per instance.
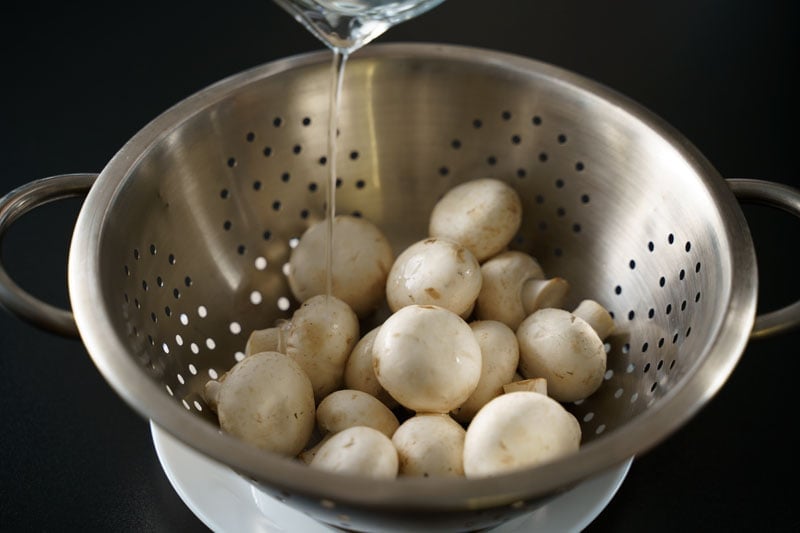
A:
(470, 375)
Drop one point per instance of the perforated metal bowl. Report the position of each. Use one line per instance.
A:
(179, 249)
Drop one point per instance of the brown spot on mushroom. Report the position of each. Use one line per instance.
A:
(433, 293)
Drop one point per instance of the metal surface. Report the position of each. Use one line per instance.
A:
(14, 205)
(179, 248)
(781, 197)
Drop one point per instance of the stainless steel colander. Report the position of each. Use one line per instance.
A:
(180, 246)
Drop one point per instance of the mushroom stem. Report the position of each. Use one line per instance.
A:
(262, 340)
(308, 454)
(283, 328)
(540, 293)
(269, 339)
(531, 385)
(596, 316)
(211, 394)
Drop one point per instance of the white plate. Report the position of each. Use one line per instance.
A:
(227, 503)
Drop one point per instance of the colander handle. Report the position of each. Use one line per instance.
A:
(12, 206)
(786, 198)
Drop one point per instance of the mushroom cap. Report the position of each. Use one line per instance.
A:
(518, 430)
(358, 450)
(482, 214)
(499, 361)
(359, 373)
(434, 271)
(427, 358)
(503, 277)
(565, 350)
(361, 259)
(267, 400)
(320, 337)
(346, 408)
(430, 445)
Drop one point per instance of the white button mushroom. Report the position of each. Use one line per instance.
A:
(434, 272)
(430, 445)
(564, 349)
(267, 400)
(359, 373)
(320, 337)
(514, 286)
(360, 451)
(499, 356)
(347, 408)
(482, 214)
(427, 358)
(361, 257)
(518, 430)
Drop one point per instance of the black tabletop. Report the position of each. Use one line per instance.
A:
(81, 78)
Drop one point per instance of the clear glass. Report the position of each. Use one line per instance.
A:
(347, 25)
